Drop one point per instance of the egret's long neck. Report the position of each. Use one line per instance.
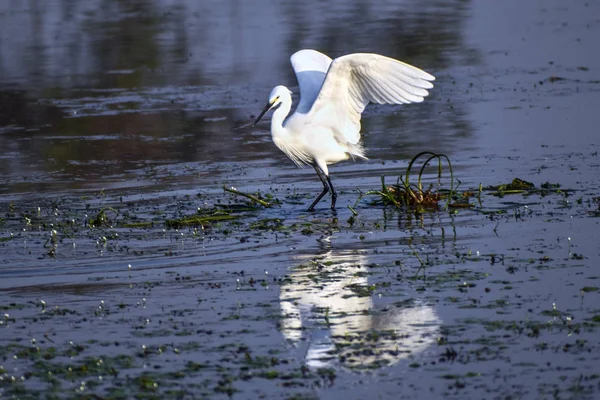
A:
(277, 128)
(283, 137)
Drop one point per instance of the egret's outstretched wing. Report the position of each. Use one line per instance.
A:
(357, 79)
(310, 67)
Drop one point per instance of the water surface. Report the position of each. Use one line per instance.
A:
(143, 110)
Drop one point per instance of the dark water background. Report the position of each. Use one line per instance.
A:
(93, 92)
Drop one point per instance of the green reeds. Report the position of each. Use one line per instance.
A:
(407, 194)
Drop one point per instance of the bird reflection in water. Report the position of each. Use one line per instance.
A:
(328, 304)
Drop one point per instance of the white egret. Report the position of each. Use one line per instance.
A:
(325, 128)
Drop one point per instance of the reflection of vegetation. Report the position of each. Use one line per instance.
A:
(132, 43)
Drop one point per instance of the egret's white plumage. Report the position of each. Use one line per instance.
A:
(325, 128)
(310, 67)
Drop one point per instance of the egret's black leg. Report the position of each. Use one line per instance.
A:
(324, 192)
(333, 194)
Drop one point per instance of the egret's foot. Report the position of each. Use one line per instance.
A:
(333, 198)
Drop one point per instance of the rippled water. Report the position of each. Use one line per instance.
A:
(145, 108)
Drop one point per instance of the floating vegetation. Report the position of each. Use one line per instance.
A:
(413, 196)
(102, 218)
(407, 194)
(202, 218)
(271, 224)
(253, 198)
(520, 186)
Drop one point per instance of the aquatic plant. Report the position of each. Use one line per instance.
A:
(407, 194)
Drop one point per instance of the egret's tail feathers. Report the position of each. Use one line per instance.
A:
(361, 156)
(357, 150)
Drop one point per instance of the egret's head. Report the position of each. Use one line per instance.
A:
(278, 95)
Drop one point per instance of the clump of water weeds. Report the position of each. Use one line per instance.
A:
(222, 212)
(407, 194)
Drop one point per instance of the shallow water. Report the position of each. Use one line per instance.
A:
(143, 112)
